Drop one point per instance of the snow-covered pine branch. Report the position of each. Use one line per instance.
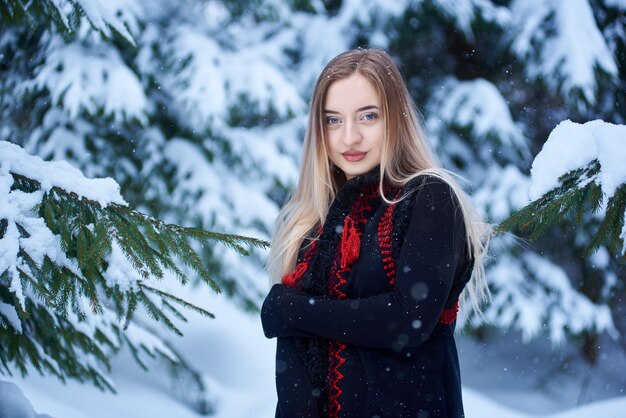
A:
(544, 35)
(580, 168)
(534, 295)
(111, 17)
(76, 263)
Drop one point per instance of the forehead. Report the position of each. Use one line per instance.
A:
(350, 94)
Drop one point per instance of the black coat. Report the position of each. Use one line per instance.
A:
(385, 325)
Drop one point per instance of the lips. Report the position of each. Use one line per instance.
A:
(354, 156)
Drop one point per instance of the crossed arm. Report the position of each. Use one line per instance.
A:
(433, 247)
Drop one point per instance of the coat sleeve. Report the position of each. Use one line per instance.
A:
(432, 251)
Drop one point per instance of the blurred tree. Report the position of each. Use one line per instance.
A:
(494, 78)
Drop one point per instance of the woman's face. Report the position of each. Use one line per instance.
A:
(354, 125)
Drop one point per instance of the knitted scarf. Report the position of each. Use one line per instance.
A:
(324, 265)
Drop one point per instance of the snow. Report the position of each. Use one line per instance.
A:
(573, 311)
(232, 354)
(574, 24)
(504, 191)
(121, 15)
(319, 38)
(13, 403)
(479, 105)
(218, 191)
(600, 258)
(259, 149)
(362, 13)
(9, 243)
(211, 79)
(613, 408)
(266, 84)
(240, 201)
(63, 141)
(537, 380)
(103, 15)
(464, 13)
(58, 174)
(9, 312)
(147, 341)
(120, 271)
(89, 79)
(204, 95)
(532, 294)
(216, 15)
(571, 146)
(18, 208)
(611, 140)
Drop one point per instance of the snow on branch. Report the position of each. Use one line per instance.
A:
(58, 174)
(209, 80)
(533, 294)
(580, 168)
(105, 16)
(465, 12)
(76, 263)
(479, 106)
(562, 45)
(80, 79)
(504, 191)
(571, 146)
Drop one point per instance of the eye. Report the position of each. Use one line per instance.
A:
(332, 120)
(369, 116)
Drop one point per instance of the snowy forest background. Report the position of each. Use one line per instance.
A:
(197, 109)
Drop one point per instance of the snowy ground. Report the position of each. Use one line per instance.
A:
(499, 378)
(538, 379)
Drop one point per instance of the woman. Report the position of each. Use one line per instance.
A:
(370, 256)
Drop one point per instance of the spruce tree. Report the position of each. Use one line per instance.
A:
(93, 286)
(76, 265)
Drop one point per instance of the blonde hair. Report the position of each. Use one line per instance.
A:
(405, 155)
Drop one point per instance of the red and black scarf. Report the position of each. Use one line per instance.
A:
(324, 264)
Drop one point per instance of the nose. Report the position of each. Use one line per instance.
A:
(352, 134)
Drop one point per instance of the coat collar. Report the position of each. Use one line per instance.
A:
(353, 188)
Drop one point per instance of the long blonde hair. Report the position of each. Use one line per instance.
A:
(405, 155)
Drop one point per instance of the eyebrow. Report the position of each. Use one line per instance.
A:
(368, 107)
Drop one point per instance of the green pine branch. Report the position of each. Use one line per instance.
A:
(61, 293)
(45, 12)
(579, 192)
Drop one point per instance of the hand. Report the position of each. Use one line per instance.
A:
(277, 313)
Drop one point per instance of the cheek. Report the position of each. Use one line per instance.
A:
(333, 141)
(379, 138)
(379, 147)
(331, 148)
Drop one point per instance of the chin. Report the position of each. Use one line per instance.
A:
(354, 171)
